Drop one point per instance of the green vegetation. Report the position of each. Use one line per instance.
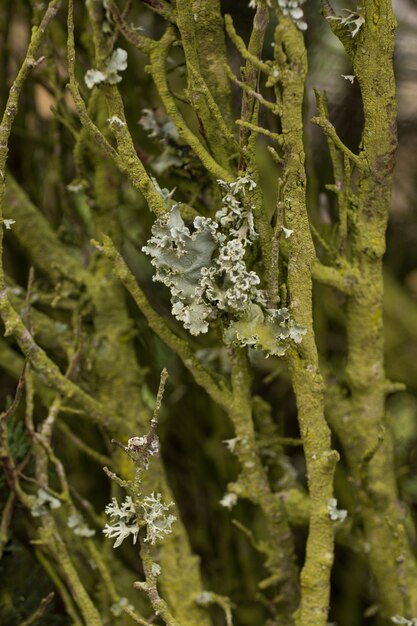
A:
(202, 423)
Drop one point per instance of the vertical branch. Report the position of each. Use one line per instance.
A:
(250, 74)
(211, 49)
(374, 474)
(157, 69)
(200, 26)
(12, 105)
(125, 157)
(253, 484)
(304, 367)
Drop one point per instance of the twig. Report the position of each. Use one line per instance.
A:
(262, 131)
(150, 587)
(343, 280)
(240, 45)
(271, 106)
(17, 396)
(331, 132)
(157, 69)
(142, 43)
(39, 611)
(216, 389)
(6, 519)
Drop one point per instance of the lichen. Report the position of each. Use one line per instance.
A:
(353, 20)
(117, 62)
(206, 272)
(292, 8)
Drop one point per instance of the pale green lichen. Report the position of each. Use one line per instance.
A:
(43, 503)
(117, 62)
(158, 523)
(125, 525)
(335, 514)
(206, 272)
(353, 20)
(79, 527)
(119, 607)
(151, 512)
(165, 133)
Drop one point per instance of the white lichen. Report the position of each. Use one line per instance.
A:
(9, 223)
(159, 524)
(149, 123)
(164, 132)
(353, 20)
(127, 523)
(349, 77)
(43, 503)
(155, 569)
(205, 269)
(117, 62)
(79, 526)
(116, 121)
(292, 8)
(231, 444)
(397, 619)
(335, 514)
(119, 607)
(229, 500)
(76, 186)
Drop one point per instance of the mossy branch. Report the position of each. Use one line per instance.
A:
(242, 49)
(218, 118)
(323, 121)
(259, 130)
(303, 364)
(343, 279)
(50, 372)
(125, 157)
(30, 61)
(217, 390)
(252, 483)
(37, 614)
(250, 76)
(188, 17)
(271, 106)
(158, 72)
(141, 42)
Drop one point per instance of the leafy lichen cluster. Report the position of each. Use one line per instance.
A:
(206, 272)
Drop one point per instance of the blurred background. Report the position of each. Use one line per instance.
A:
(199, 466)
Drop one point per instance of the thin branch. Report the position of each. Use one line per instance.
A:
(262, 131)
(242, 49)
(99, 458)
(17, 396)
(214, 109)
(94, 410)
(39, 611)
(125, 157)
(250, 91)
(157, 69)
(217, 390)
(323, 121)
(142, 43)
(150, 587)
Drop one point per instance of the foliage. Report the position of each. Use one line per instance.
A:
(164, 211)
